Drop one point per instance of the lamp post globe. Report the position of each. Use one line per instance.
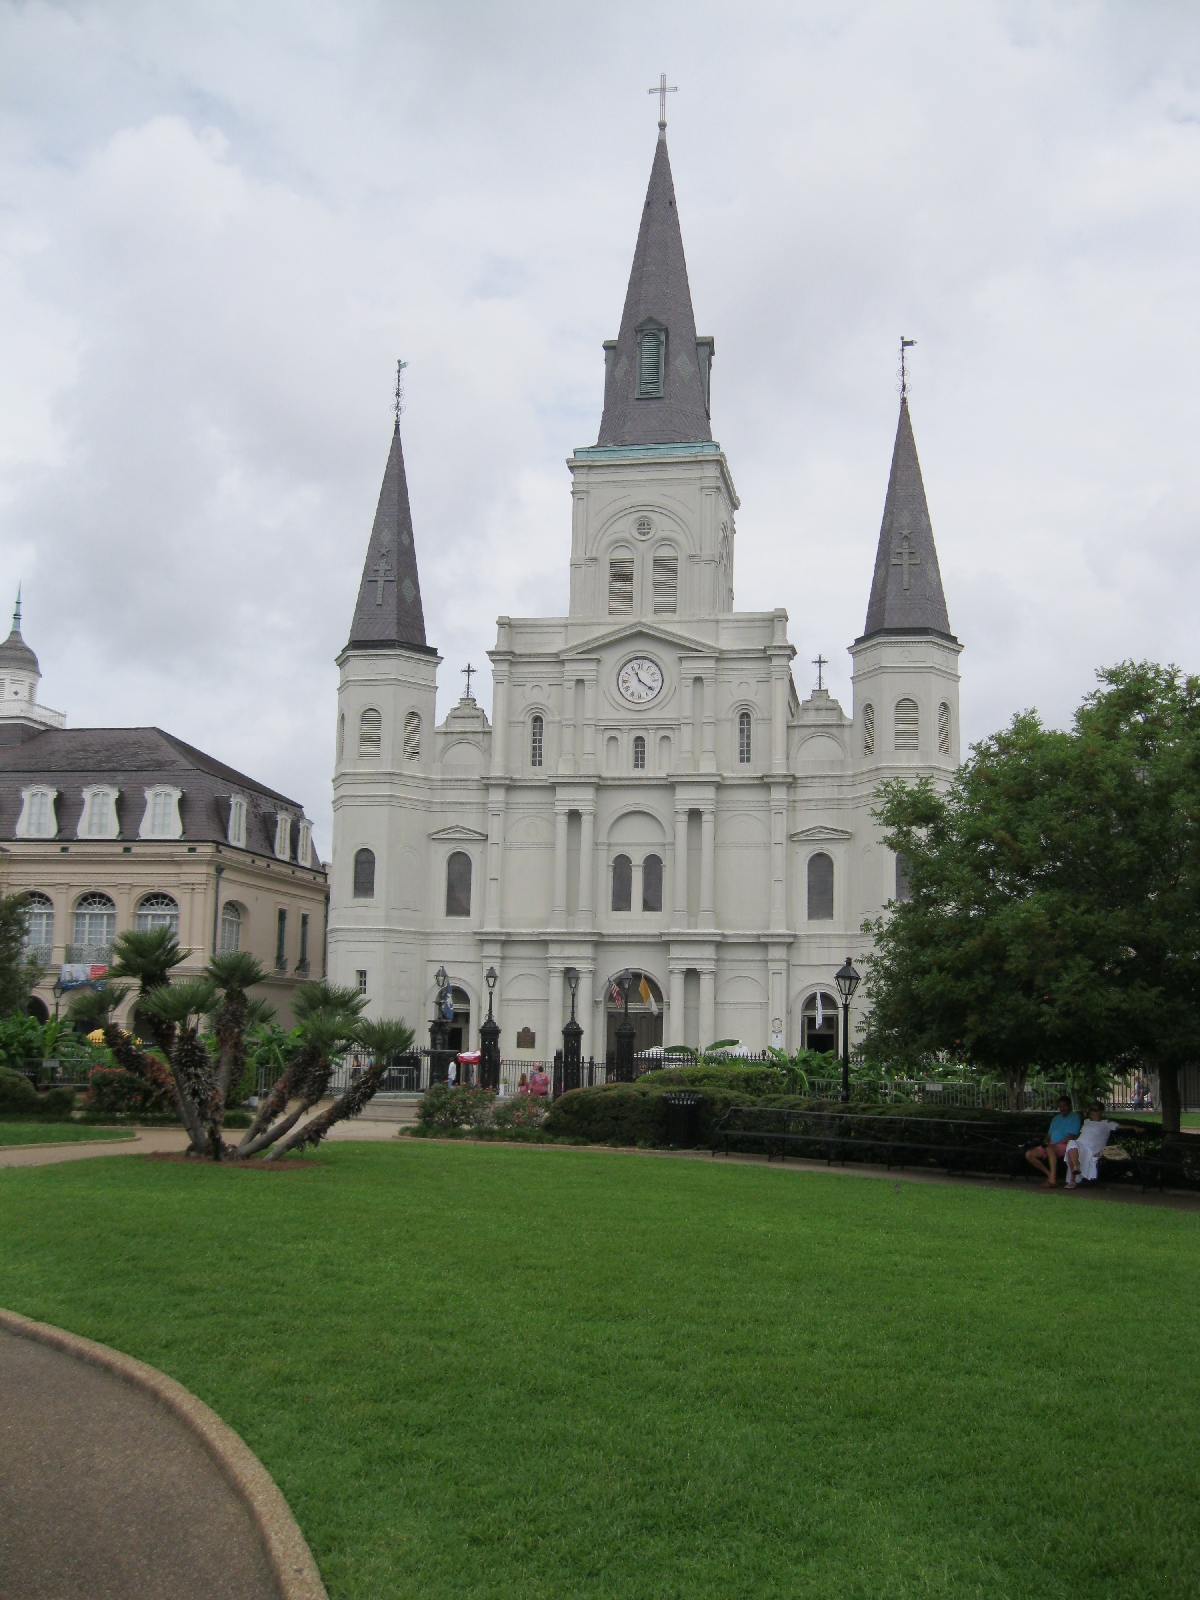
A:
(572, 1034)
(847, 980)
(489, 1039)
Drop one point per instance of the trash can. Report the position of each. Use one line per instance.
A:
(683, 1118)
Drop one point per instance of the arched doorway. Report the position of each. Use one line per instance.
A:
(36, 1008)
(645, 1015)
(459, 1033)
(820, 1022)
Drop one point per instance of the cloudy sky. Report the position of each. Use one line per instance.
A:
(220, 225)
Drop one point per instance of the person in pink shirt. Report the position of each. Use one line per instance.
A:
(539, 1083)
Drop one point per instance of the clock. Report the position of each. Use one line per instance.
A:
(640, 681)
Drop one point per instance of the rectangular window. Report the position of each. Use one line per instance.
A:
(303, 961)
(304, 845)
(160, 815)
(620, 586)
(98, 815)
(666, 584)
(361, 975)
(281, 941)
(237, 822)
(283, 837)
(39, 815)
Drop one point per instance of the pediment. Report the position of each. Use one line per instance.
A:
(820, 833)
(457, 831)
(641, 628)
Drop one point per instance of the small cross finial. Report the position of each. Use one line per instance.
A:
(905, 346)
(398, 397)
(820, 662)
(662, 92)
(469, 672)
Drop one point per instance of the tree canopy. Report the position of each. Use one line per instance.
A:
(1054, 913)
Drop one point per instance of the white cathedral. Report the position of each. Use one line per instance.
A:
(651, 795)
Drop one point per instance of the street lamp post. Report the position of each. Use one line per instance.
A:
(489, 1040)
(847, 981)
(439, 1030)
(572, 1038)
(623, 1060)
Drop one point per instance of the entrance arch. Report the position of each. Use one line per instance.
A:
(820, 1034)
(459, 1032)
(645, 1016)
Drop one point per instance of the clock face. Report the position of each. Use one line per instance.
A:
(640, 681)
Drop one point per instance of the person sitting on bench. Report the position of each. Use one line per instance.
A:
(1084, 1152)
(1045, 1157)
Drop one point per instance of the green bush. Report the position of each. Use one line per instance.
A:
(115, 1089)
(751, 1081)
(444, 1109)
(519, 1112)
(636, 1113)
(18, 1098)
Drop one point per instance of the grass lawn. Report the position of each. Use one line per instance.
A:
(541, 1374)
(1187, 1119)
(54, 1133)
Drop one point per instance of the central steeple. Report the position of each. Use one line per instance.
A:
(656, 369)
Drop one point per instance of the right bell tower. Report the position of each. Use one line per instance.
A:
(906, 661)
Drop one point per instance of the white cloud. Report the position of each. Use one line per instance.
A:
(220, 227)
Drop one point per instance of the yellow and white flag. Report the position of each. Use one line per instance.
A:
(647, 996)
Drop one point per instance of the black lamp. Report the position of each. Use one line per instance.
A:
(847, 981)
(489, 1039)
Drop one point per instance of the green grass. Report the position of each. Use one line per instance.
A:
(545, 1373)
(1187, 1119)
(54, 1133)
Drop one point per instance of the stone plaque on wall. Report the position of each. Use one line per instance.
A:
(526, 1039)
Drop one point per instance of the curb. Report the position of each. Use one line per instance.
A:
(288, 1554)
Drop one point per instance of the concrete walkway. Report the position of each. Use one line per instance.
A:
(105, 1495)
(152, 1141)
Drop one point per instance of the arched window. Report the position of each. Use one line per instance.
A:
(231, 928)
(943, 729)
(744, 737)
(39, 922)
(903, 886)
(868, 729)
(157, 911)
(620, 586)
(908, 725)
(652, 883)
(622, 889)
(458, 885)
(821, 1023)
(95, 922)
(537, 732)
(412, 736)
(370, 733)
(820, 887)
(639, 754)
(364, 874)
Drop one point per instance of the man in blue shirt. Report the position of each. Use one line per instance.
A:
(1045, 1157)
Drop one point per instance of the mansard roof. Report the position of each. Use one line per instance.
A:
(133, 760)
(906, 592)
(389, 613)
(658, 296)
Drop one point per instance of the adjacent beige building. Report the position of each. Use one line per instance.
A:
(111, 829)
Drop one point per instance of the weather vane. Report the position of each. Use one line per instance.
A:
(662, 92)
(398, 397)
(905, 346)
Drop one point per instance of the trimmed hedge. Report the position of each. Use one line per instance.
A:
(18, 1098)
(752, 1082)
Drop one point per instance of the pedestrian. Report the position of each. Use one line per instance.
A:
(1046, 1156)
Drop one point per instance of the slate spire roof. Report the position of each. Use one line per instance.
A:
(14, 652)
(659, 298)
(906, 592)
(388, 613)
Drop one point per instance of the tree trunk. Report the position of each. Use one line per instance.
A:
(1169, 1100)
(1014, 1082)
(275, 1102)
(348, 1105)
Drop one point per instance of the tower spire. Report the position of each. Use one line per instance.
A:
(656, 369)
(906, 592)
(17, 612)
(389, 614)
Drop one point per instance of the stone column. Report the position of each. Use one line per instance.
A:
(499, 717)
(708, 1006)
(708, 760)
(708, 866)
(497, 794)
(778, 856)
(686, 734)
(584, 1011)
(675, 1015)
(680, 869)
(556, 997)
(559, 913)
(587, 874)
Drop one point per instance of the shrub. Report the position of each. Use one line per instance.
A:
(751, 1081)
(519, 1112)
(19, 1098)
(445, 1108)
(116, 1090)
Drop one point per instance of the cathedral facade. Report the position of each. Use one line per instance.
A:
(651, 794)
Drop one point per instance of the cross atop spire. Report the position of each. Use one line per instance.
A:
(662, 92)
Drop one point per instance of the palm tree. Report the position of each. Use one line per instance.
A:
(95, 1008)
(382, 1039)
(232, 974)
(327, 1017)
(180, 1008)
(149, 957)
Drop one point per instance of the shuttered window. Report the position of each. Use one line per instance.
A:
(620, 586)
(666, 584)
(650, 375)
(908, 725)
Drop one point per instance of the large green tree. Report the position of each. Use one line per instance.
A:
(1054, 918)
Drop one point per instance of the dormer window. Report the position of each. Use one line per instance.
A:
(161, 817)
(304, 854)
(651, 360)
(283, 836)
(237, 822)
(98, 819)
(37, 819)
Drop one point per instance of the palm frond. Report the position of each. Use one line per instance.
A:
(148, 956)
(180, 1002)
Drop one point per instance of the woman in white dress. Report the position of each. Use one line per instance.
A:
(1084, 1151)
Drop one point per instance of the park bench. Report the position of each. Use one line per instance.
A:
(894, 1141)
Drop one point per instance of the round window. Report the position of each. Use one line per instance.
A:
(643, 527)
